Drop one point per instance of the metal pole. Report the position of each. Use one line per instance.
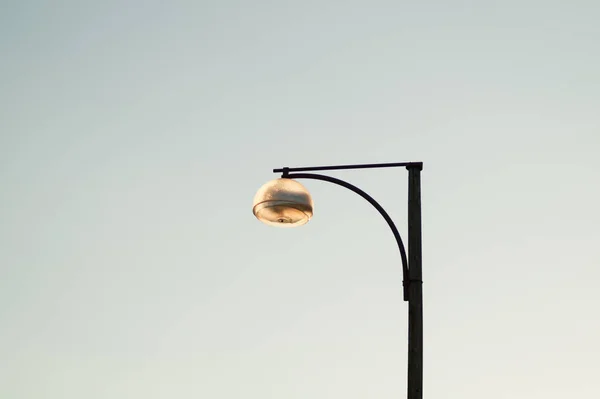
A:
(415, 289)
(413, 277)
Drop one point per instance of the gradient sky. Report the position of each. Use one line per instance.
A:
(133, 136)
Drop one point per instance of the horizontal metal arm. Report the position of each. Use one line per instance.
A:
(338, 167)
(376, 205)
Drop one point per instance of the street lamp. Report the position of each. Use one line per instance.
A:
(286, 203)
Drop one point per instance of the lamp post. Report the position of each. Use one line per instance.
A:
(286, 203)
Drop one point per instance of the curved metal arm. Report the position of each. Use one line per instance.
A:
(375, 204)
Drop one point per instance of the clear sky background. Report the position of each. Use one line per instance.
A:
(134, 134)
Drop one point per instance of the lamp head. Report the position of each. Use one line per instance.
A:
(283, 203)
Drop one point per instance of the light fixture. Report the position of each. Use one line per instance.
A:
(283, 203)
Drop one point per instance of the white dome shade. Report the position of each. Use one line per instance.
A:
(283, 203)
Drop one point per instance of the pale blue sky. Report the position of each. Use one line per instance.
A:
(133, 136)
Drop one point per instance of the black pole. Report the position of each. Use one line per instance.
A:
(415, 288)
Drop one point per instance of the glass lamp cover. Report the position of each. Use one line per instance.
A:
(283, 203)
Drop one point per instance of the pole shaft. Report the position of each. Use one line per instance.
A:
(415, 289)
